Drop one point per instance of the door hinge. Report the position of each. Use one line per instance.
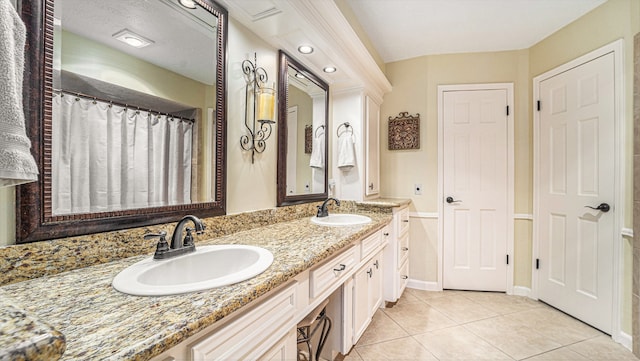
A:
(539, 105)
(507, 259)
(537, 263)
(507, 110)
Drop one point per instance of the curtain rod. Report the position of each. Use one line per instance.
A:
(128, 106)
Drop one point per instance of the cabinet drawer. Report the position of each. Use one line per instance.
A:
(251, 335)
(323, 277)
(369, 244)
(403, 248)
(402, 221)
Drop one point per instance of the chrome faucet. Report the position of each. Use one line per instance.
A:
(179, 245)
(323, 211)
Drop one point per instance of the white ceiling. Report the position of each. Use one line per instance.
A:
(403, 29)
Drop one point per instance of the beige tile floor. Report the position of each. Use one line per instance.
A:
(463, 325)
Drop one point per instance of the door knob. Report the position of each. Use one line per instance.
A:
(603, 207)
(451, 200)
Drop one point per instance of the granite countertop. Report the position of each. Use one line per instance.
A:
(101, 323)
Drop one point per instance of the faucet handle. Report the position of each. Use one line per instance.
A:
(162, 246)
(161, 235)
(188, 239)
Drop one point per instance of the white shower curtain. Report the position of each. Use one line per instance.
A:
(108, 158)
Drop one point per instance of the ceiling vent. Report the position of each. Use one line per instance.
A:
(258, 10)
(265, 14)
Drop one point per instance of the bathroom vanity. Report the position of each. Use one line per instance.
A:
(254, 318)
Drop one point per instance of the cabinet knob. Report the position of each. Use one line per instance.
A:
(371, 186)
(386, 234)
(405, 248)
(404, 277)
(341, 268)
(370, 272)
(376, 264)
(405, 220)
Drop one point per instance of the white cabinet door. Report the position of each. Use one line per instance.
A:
(367, 294)
(360, 301)
(375, 284)
(372, 154)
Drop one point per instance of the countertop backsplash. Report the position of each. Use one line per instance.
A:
(28, 261)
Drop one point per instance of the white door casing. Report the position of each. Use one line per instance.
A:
(476, 168)
(576, 166)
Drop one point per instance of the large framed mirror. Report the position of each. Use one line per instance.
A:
(303, 108)
(125, 107)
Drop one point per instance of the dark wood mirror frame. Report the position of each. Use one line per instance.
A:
(34, 220)
(285, 62)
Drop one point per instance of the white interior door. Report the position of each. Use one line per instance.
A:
(576, 170)
(475, 187)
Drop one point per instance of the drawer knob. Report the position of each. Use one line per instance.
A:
(405, 248)
(341, 268)
(404, 277)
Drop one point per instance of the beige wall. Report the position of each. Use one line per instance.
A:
(415, 83)
(249, 186)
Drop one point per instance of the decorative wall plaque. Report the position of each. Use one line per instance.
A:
(404, 131)
(308, 139)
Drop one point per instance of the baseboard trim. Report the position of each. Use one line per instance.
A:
(423, 285)
(522, 291)
(625, 340)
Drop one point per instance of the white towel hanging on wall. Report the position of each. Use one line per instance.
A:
(317, 153)
(17, 165)
(346, 151)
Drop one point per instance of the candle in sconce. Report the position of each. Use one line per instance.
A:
(266, 103)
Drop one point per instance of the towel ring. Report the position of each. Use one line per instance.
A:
(347, 129)
(318, 128)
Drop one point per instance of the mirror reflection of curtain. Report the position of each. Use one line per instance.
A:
(107, 157)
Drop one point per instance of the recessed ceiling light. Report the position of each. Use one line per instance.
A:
(189, 4)
(305, 49)
(329, 69)
(132, 39)
(300, 76)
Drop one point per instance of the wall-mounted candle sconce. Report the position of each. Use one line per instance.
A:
(259, 107)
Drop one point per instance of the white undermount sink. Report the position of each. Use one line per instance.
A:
(207, 267)
(341, 219)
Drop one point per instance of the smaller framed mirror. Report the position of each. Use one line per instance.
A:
(303, 108)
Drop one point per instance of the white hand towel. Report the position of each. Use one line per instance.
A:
(17, 165)
(346, 151)
(317, 153)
